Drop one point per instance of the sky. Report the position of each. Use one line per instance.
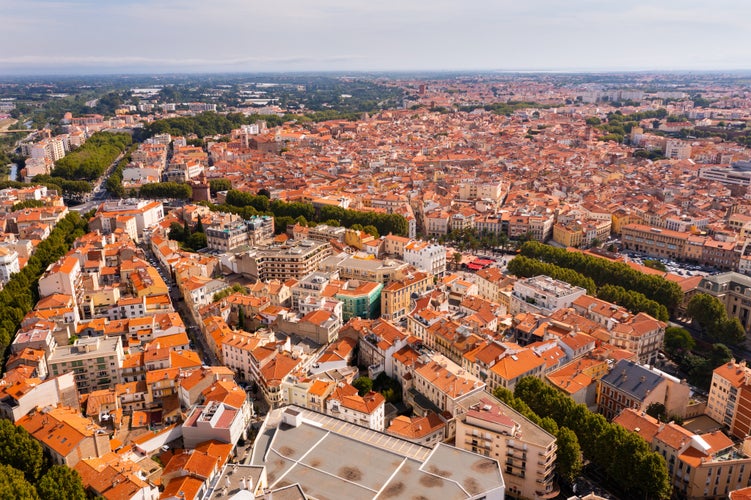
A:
(163, 36)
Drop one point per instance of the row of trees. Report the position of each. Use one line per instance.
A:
(713, 319)
(525, 267)
(633, 301)
(624, 457)
(25, 473)
(173, 190)
(20, 294)
(211, 123)
(605, 272)
(64, 187)
(89, 161)
(30, 203)
(114, 183)
(240, 202)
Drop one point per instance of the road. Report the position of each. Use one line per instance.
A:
(194, 332)
(99, 192)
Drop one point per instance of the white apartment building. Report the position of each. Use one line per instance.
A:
(8, 263)
(427, 257)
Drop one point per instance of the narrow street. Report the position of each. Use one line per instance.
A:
(191, 327)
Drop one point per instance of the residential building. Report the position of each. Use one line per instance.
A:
(8, 263)
(96, 362)
(542, 295)
(707, 465)
(345, 403)
(214, 421)
(66, 435)
(227, 237)
(525, 451)
(426, 256)
(295, 259)
(396, 297)
(630, 385)
(728, 401)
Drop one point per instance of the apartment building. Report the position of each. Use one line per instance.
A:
(654, 241)
(427, 257)
(365, 268)
(734, 291)
(397, 296)
(367, 411)
(96, 362)
(525, 451)
(215, 421)
(630, 385)
(227, 237)
(542, 295)
(8, 263)
(63, 276)
(66, 435)
(443, 384)
(295, 259)
(730, 382)
(707, 465)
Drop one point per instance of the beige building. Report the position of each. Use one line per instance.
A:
(700, 466)
(654, 241)
(294, 259)
(526, 452)
(396, 297)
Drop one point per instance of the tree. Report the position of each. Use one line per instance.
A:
(719, 355)
(731, 330)
(371, 230)
(196, 241)
(241, 318)
(19, 450)
(61, 483)
(199, 226)
(13, 484)
(217, 185)
(678, 341)
(176, 232)
(657, 410)
(363, 385)
(713, 318)
(568, 456)
(264, 192)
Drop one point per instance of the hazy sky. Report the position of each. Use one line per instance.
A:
(103, 36)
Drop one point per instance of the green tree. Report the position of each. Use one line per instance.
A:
(241, 318)
(19, 450)
(216, 185)
(657, 410)
(678, 341)
(197, 241)
(363, 385)
(61, 483)
(569, 456)
(176, 232)
(13, 485)
(706, 310)
(199, 226)
(719, 355)
(371, 230)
